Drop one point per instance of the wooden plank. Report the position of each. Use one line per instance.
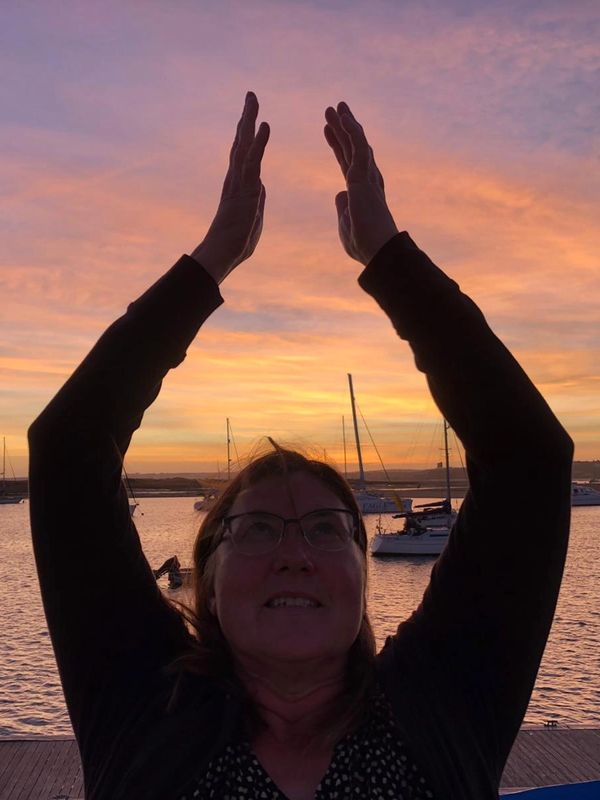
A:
(542, 757)
(42, 768)
(534, 765)
(62, 756)
(35, 767)
(73, 776)
(22, 772)
(23, 769)
(35, 790)
(8, 757)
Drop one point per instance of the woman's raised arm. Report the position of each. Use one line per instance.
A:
(110, 627)
(467, 658)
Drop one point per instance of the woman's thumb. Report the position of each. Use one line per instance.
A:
(341, 202)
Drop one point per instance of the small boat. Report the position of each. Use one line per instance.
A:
(372, 502)
(429, 542)
(434, 515)
(5, 498)
(178, 575)
(210, 496)
(425, 532)
(133, 503)
(206, 500)
(583, 495)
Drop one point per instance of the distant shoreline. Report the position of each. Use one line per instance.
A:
(407, 483)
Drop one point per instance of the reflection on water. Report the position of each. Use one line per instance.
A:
(568, 684)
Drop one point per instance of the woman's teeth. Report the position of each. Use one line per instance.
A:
(302, 602)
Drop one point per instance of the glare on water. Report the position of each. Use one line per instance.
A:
(568, 684)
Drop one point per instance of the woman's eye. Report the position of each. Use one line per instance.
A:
(260, 529)
(323, 528)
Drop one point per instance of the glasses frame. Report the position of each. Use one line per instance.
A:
(226, 526)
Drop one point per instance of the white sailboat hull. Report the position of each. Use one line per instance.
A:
(436, 520)
(370, 503)
(582, 495)
(429, 543)
(206, 501)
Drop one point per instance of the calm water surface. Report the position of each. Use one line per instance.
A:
(31, 702)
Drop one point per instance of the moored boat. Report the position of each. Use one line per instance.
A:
(582, 494)
(371, 502)
(5, 497)
(210, 496)
(425, 532)
(206, 500)
(430, 542)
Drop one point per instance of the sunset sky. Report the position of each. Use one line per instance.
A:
(117, 120)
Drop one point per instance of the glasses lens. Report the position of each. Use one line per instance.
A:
(255, 533)
(329, 530)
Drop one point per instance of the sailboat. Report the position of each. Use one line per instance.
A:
(133, 503)
(584, 495)
(425, 532)
(371, 502)
(5, 498)
(210, 495)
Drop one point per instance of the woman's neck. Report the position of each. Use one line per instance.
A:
(294, 707)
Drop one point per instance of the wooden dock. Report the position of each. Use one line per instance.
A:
(48, 768)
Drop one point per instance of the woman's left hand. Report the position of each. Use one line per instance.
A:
(236, 228)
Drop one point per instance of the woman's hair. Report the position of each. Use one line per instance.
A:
(211, 655)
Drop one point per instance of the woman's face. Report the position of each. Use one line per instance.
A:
(245, 583)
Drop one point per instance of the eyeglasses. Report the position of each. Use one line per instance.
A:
(258, 532)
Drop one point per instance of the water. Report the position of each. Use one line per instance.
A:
(31, 702)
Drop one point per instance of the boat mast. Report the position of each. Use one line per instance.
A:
(344, 438)
(448, 495)
(228, 452)
(360, 463)
(4, 462)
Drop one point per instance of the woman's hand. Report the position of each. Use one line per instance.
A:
(364, 220)
(236, 228)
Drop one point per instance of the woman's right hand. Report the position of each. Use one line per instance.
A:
(237, 226)
(364, 220)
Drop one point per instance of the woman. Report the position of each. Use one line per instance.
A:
(279, 693)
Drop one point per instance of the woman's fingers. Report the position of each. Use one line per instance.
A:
(360, 146)
(333, 142)
(349, 143)
(247, 149)
(244, 134)
(333, 119)
(251, 167)
(236, 141)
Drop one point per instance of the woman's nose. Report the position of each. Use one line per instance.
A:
(293, 548)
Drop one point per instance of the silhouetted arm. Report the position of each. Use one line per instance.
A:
(461, 670)
(112, 631)
(481, 628)
(110, 626)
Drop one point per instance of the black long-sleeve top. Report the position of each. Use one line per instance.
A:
(458, 673)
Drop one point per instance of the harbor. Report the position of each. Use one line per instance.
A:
(39, 757)
(49, 768)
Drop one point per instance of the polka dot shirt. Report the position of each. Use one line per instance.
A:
(371, 763)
